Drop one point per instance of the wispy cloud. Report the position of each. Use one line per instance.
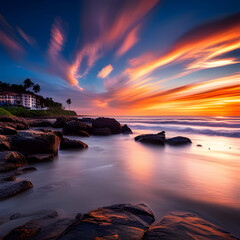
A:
(26, 37)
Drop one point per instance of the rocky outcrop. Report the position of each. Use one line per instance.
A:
(57, 133)
(157, 139)
(184, 226)
(122, 221)
(11, 160)
(7, 130)
(111, 123)
(4, 143)
(126, 129)
(39, 123)
(61, 121)
(75, 127)
(72, 144)
(101, 131)
(32, 142)
(14, 189)
(14, 122)
(175, 141)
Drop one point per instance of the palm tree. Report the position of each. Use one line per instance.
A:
(69, 102)
(27, 83)
(36, 88)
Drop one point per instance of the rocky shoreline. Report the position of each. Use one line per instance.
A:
(24, 141)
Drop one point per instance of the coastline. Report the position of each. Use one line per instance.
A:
(131, 171)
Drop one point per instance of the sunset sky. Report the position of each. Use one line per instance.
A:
(134, 57)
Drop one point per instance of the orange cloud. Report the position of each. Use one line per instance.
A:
(27, 38)
(129, 41)
(105, 71)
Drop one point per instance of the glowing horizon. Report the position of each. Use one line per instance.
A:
(128, 57)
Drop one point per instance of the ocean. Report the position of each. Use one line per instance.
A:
(115, 169)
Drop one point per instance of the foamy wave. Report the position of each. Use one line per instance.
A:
(225, 133)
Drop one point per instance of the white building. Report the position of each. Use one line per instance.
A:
(28, 100)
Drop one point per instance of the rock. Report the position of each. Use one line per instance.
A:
(110, 123)
(25, 170)
(43, 214)
(101, 131)
(39, 228)
(15, 122)
(75, 127)
(157, 139)
(175, 141)
(40, 157)
(39, 123)
(184, 226)
(4, 143)
(121, 221)
(199, 145)
(57, 133)
(70, 144)
(87, 120)
(83, 133)
(8, 131)
(32, 142)
(126, 129)
(11, 160)
(14, 189)
(60, 122)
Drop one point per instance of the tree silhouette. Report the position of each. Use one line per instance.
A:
(36, 88)
(28, 83)
(69, 102)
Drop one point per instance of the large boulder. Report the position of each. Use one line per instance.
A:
(75, 127)
(39, 123)
(110, 123)
(121, 221)
(157, 139)
(101, 131)
(126, 129)
(11, 160)
(70, 144)
(4, 143)
(14, 189)
(61, 121)
(31, 142)
(185, 226)
(40, 157)
(175, 141)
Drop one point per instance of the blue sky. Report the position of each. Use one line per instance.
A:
(98, 53)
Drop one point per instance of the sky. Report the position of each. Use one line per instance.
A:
(126, 57)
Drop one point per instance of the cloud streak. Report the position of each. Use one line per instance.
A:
(105, 71)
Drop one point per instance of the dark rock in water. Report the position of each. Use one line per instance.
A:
(157, 139)
(126, 129)
(14, 189)
(57, 133)
(40, 157)
(184, 226)
(20, 171)
(72, 144)
(8, 131)
(122, 221)
(178, 141)
(32, 142)
(4, 143)
(43, 214)
(75, 127)
(110, 123)
(39, 228)
(83, 133)
(101, 131)
(87, 120)
(199, 145)
(61, 121)
(10, 178)
(39, 123)
(11, 160)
